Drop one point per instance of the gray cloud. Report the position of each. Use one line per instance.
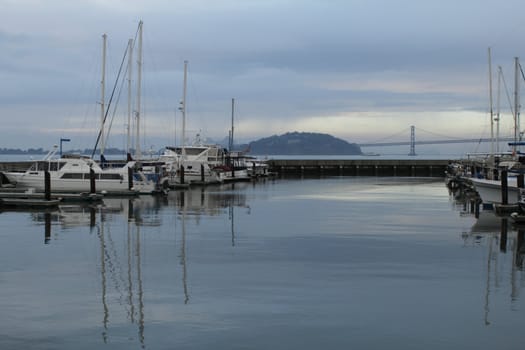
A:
(282, 60)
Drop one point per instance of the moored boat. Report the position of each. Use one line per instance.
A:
(74, 173)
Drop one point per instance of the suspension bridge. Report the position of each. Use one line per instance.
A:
(412, 142)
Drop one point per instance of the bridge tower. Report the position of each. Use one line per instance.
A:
(412, 141)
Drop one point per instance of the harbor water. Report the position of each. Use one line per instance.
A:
(331, 263)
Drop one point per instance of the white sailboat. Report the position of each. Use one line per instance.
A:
(235, 168)
(190, 164)
(488, 185)
(75, 173)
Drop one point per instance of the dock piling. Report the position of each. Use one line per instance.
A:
(47, 186)
(92, 186)
(182, 174)
(504, 188)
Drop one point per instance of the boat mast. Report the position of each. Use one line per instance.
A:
(102, 95)
(130, 108)
(139, 86)
(500, 74)
(490, 105)
(231, 138)
(183, 109)
(516, 103)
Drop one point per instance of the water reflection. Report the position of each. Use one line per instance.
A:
(120, 262)
(499, 237)
(197, 264)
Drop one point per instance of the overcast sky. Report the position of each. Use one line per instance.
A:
(361, 70)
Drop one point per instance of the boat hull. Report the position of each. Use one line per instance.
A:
(36, 181)
(490, 190)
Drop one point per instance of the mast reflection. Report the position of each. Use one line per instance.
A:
(502, 240)
(119, 225)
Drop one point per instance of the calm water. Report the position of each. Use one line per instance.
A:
(361, 263)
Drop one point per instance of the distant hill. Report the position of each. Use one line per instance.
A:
(303, 143)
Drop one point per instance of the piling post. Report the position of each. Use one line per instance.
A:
(47, 186)
(92, 186)
(504, 188)
(130, 178)
(202, 173)
(182, 174)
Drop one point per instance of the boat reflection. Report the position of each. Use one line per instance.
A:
(502, 241)
(119, 224)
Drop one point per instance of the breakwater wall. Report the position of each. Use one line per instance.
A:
(360, 167)
(333, 167)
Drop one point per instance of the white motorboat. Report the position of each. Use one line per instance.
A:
(74, 173)
(198, 163)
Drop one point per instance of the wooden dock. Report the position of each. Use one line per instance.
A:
(360, 167)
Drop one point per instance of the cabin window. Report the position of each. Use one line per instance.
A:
(110, 176)
(55, 166)
(87, 176)
(42, 166)
(71, 176)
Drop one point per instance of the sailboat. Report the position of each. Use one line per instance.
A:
(235, 168)
(488, 182)
(189, 164)
(76, 173)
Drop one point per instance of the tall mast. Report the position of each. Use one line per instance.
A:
(130, 108)
(231, 138)
(139, 86)
(516, 102)
(183, 108)
(498, 107)
(490, 105)
(102, 95)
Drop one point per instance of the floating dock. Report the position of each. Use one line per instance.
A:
(28, 203)
(14, 193)
(360, 167)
